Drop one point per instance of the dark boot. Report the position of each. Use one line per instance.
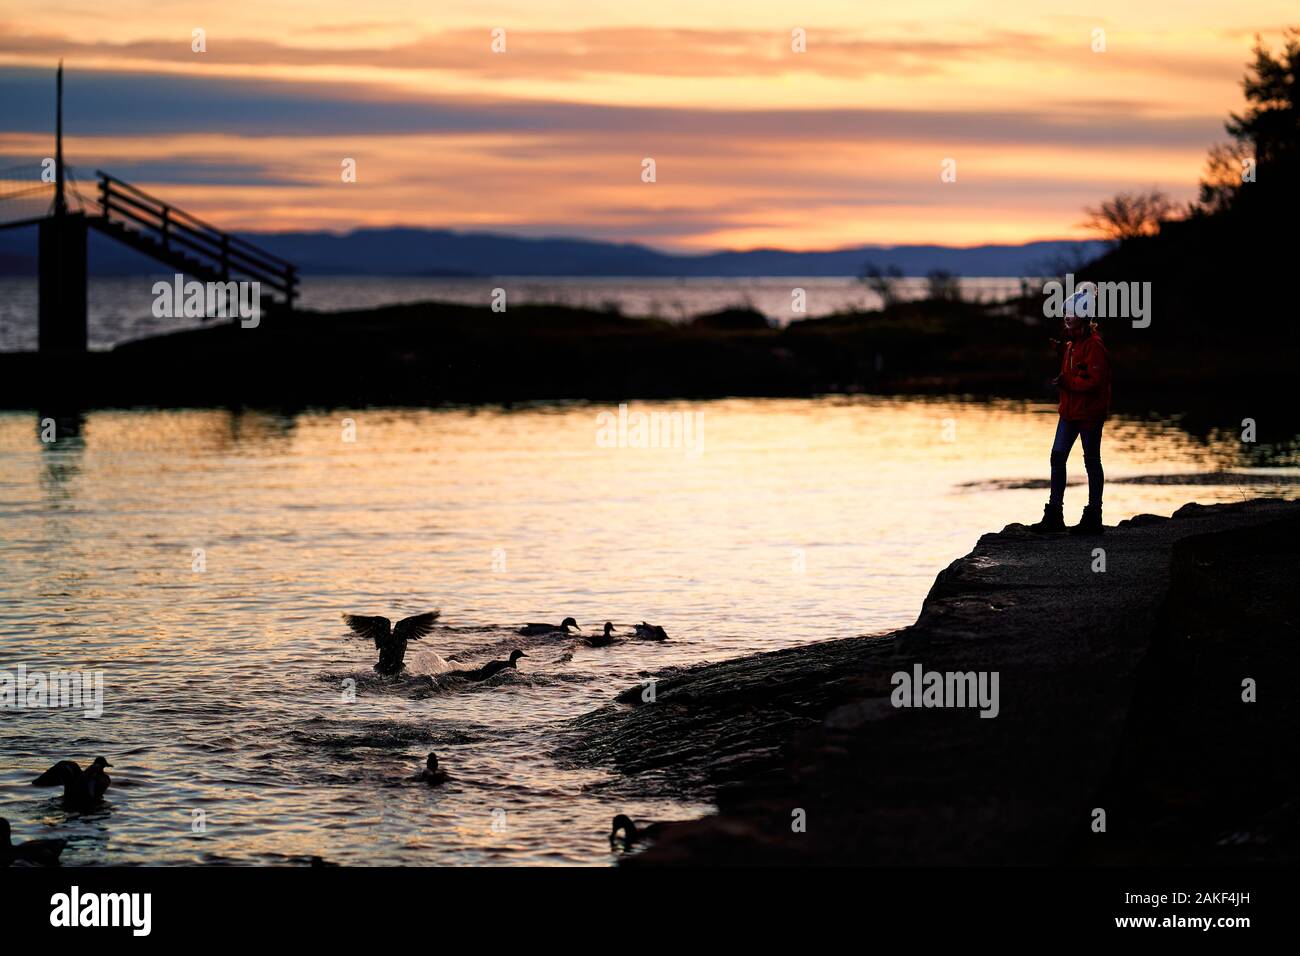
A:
(1053, 521)
(1090, 523)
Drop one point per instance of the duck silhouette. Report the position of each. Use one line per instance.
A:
(601, 640)
(488, 669)
(30, 853)
(534, 630)
(650, 632)
(82, 789)
(632, 833)
(391, 641)
(431, 774)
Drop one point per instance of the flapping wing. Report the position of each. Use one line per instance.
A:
(414, 628)
(371, 628)
(59, 775)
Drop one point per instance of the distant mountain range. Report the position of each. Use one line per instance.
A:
(441, 252)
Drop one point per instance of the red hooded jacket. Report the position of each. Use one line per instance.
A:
(1085, 380)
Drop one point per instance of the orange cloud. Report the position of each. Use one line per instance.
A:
(756, 144)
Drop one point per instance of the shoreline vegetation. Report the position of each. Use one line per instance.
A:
(427, 354)
(1121, 690)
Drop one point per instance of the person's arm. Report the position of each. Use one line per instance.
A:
(1060, 348)
(1087, 375)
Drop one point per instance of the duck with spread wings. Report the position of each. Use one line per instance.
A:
(391, 641)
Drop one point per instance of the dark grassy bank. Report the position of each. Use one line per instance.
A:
(432, 353)
(1119, 690)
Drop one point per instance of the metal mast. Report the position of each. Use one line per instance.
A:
(60, 202)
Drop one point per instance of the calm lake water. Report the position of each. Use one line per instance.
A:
(121, 307)
(226, 689)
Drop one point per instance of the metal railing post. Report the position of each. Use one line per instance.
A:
(142, 216)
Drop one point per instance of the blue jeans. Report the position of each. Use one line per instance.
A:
(1066, 433)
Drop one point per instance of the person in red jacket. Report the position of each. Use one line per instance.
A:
(1084, 384)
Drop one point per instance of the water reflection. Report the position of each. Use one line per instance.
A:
(226, 685)
(59, 433)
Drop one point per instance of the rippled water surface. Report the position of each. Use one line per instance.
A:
(226, 689)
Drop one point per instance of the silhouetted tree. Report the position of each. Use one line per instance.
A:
(1268, 133)
(884, 282)
(1224, 169)
(1129, 215)
(944, 286)
(1236, 246)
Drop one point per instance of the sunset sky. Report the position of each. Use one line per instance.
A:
(755, 144)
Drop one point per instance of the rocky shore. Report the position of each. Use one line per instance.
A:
(1118, 690)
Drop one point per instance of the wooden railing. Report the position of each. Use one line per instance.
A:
(179, 232)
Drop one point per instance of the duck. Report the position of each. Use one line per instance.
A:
(601, 640)
(82, 789)
(650, 632)
(633, 833)
(391, 641)
(431, 774)
(32, 852)
(488, 669)
(532, 630)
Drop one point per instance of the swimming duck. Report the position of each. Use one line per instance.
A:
(488, 669)
(601, 640)
(650, 632)
(633, 833)
(532, 630)
(81, 788)
(431, 774)
(391, 641)
(32, 852)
